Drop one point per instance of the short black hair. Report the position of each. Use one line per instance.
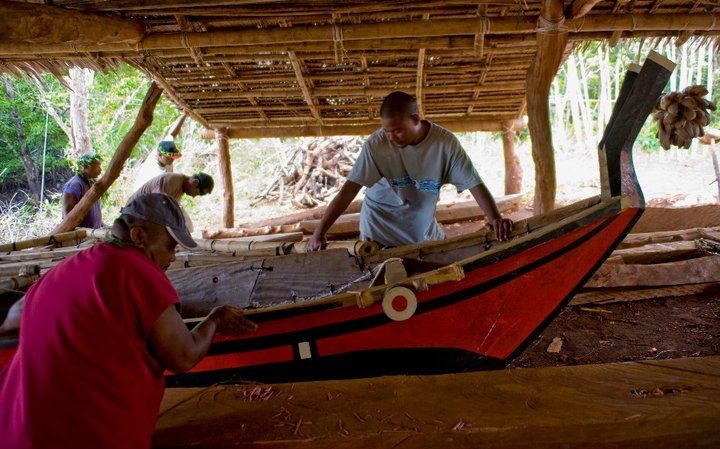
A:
(206, 183)
(398, 104)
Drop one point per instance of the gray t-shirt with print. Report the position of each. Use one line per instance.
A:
(404, 185)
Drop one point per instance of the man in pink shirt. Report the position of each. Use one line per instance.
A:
(98, 330)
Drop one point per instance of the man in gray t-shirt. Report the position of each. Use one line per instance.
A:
(403, 165)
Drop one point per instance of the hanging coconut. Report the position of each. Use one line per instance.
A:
(681, 116)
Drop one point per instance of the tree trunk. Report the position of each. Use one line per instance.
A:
(79, 81)
(23, 152)
(513, 170)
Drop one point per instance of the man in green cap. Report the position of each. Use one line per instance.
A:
(88, 171)
(167, 153)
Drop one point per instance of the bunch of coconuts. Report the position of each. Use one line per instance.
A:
(681, 116)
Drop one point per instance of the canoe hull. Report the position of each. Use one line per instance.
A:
(482, 321)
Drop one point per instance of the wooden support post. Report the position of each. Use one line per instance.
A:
(716, 167)
(142, 122)
(551, 42)
(223, 148)
(513, 170)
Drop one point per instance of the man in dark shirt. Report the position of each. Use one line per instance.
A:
(73, 190)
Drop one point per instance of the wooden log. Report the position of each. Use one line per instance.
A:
(693, 271)
(77, 236)
(551, 44)
(223, 148)
(641, 239)
(350, 129)
(513, 170)
(40, 25)
(142, 122)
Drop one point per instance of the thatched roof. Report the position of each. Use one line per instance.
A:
(274, 67)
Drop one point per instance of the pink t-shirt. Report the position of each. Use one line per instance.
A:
(83, 376)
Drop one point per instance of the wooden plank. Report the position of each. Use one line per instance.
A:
(608, 295)
(640, 239)
(655, 253)
(202, 288)
(283, 278)
(645, 405)
(656, 219)
(693, 271)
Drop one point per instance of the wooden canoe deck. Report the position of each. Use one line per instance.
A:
(649, 404)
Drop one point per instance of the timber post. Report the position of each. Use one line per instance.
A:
(513, 170)
(223, 148)
(551, 41)
(142, 122)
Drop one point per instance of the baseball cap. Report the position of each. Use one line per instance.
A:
(163, 210)
(168, 148)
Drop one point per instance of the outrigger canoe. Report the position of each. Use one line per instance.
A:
(467, 302)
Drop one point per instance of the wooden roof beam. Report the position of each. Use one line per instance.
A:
(578, 8)
(297, 67)
(243, 87)
(359, 91)
(356, 130)
(38, 25)
(382, 30)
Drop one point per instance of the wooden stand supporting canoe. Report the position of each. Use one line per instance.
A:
(664, 404)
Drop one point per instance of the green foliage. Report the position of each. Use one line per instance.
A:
(31, 112)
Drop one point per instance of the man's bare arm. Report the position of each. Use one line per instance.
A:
(501, 226)
(179, 349)
(337, 206)
(68, 202)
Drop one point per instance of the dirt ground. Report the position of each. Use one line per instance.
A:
(663, 328)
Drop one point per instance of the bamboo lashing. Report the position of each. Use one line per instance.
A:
(77, 235)
(252, 248)
(17, 283)
(682, 116)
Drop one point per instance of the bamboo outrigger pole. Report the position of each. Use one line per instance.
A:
(78, 236)
(142, 122)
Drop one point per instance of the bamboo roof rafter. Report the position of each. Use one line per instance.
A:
(286, 65)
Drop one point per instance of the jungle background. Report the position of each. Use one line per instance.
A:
(46, 124)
